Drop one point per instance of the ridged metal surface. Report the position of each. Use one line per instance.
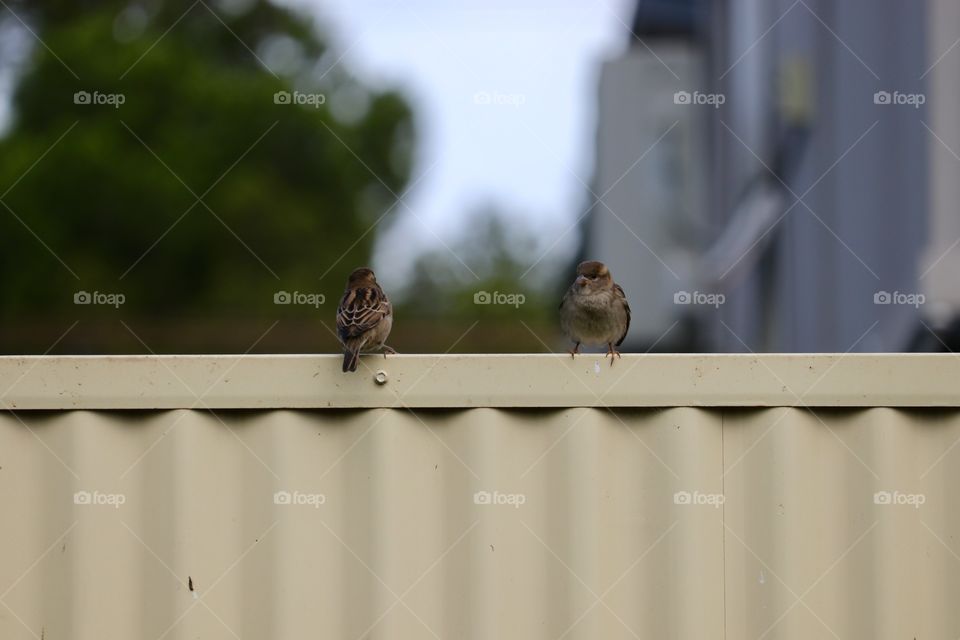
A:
(671, 522)
(461, 381)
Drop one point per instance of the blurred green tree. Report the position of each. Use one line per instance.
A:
(476, 295)
(205, 191)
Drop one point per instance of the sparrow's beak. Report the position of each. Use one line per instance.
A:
(581, 280)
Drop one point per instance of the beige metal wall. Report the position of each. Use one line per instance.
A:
(780, 518)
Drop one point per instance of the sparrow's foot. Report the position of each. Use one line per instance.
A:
(389, 350)
(612, 353)
(573, 352)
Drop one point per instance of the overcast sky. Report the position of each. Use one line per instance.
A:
(504, 93)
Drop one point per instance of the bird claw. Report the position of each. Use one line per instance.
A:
(389, 350)
(573, 352)
(613, 354)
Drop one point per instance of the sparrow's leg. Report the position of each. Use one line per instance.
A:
(389, 350)
(574, 351)
(612, 353)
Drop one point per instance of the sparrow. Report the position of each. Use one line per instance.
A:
(364, 318)
(594, 310)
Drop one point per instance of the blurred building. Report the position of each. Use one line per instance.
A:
(780, 175)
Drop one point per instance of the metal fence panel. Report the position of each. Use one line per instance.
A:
(479, 522)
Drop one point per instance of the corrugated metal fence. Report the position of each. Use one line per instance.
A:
(480, 497)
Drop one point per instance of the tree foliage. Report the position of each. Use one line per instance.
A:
(199, 194)
(480, 294)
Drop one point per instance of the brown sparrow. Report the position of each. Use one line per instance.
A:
(594, 310)
(364, 318)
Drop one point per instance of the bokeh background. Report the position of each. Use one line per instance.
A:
(760, 175)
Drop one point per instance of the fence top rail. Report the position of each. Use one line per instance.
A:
(464, 381)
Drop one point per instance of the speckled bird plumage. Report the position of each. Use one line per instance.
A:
(364, 318)
(594, 310)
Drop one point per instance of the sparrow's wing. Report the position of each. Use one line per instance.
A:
(622, 297)
(360, 310)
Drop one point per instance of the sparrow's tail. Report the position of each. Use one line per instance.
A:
(351, 357)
